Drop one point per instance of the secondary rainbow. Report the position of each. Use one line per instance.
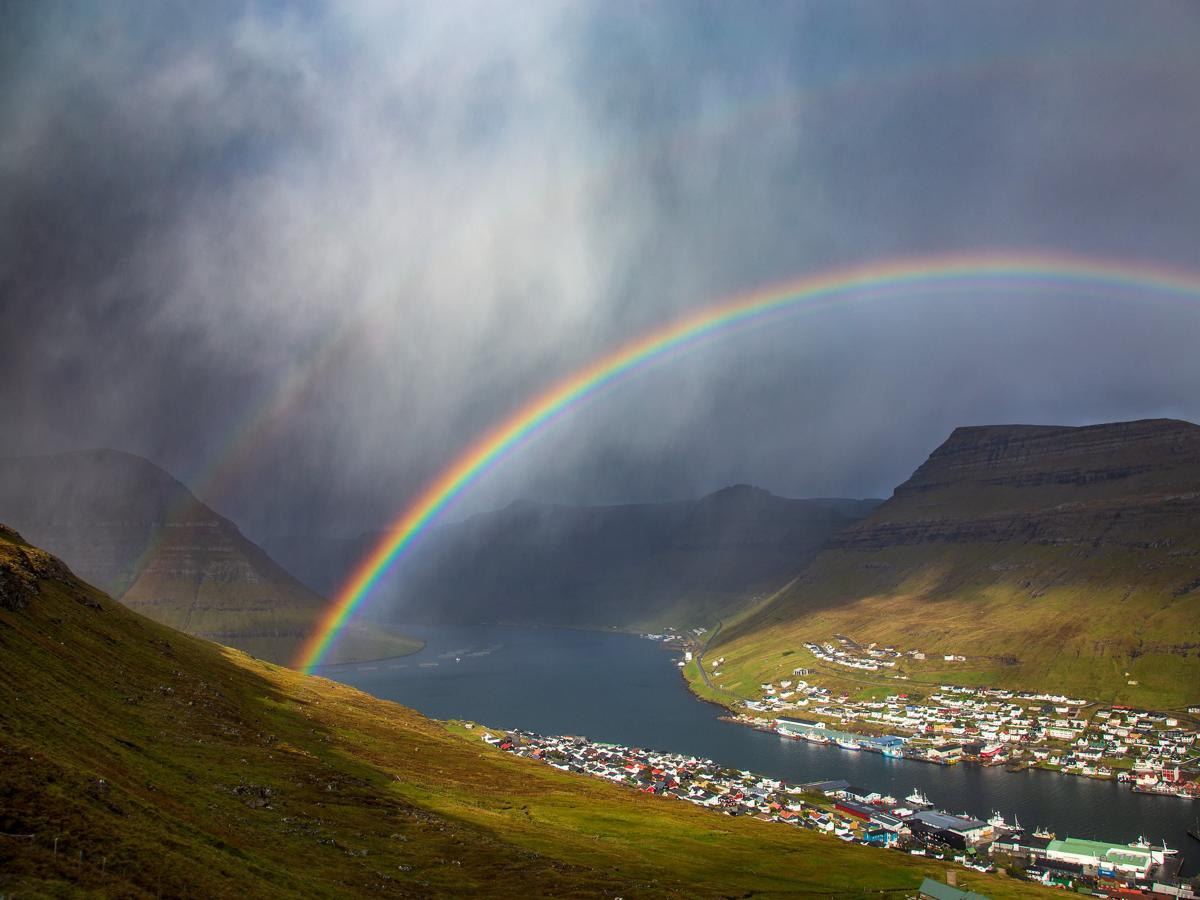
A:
(904, 276)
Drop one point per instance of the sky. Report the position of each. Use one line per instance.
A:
(302, 254)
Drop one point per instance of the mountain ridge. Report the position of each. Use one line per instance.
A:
(628, 564)
(131, 527)
(1073, 551)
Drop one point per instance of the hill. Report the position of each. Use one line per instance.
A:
(131, 528)
(1051, 557)
(139, 761)
(631, 565)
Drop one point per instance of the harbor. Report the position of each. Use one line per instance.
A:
(623, 689)
(861, 815)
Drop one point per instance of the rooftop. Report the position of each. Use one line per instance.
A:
(948, 822)
(939, 891)
(1121, 854)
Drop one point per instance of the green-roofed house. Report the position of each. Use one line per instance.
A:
(935, 890)
(1101, 857)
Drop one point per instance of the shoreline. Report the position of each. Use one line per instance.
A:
(1184, 790)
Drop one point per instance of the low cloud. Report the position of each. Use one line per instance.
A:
(390, 226)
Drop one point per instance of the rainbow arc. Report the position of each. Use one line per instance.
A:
(892, 279)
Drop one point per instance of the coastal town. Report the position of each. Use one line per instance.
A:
(1153, 752)
(861, 815)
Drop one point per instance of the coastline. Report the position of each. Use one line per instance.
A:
(699, 685)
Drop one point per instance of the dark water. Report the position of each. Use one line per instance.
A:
(625, 689)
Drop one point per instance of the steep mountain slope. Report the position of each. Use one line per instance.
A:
(626, 565)
(1050, 556)
(137, 761)
(130, 527)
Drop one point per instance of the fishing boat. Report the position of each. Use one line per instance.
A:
(1043, 833)
(997, 820)
(814, 738)
(916, 798)
(847, 744)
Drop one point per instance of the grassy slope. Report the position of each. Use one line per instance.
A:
(958, 605)
(167, 765)
(1097, 589)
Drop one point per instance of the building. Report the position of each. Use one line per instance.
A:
(953, 830)
(1102, 858)
(935, 890)
(947, 754)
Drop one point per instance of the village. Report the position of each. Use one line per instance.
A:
(1154, 752)
(1151, 751)
(860, 815)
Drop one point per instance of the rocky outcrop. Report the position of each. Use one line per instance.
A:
(22, 567)
(1131, 485)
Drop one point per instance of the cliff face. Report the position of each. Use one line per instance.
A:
(129, 527)
(1073, 554)
(1132, 485)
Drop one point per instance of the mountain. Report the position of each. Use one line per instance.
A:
(1052, 557)
(128, 526)
(136, 761)
(633, 565)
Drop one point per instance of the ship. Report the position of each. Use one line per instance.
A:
(893, 752)
(847, 744)
(1164, 789)
(813, 738)
(916, 798)
(997, 821)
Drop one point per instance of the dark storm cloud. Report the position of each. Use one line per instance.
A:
(440, 209)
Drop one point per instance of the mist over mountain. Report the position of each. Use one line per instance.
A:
(624, 565)
(300, 254)
(131, 528)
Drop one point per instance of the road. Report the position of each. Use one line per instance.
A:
(734, 699)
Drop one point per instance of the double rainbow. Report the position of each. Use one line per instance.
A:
(905, 276)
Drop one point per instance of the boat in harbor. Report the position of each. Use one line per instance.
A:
(997, 821)
(814, 737)
(847, 744)
(916, 798)
(893, 752)
(1164, 789)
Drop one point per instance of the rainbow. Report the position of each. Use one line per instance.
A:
(925, 275)
(263, 421)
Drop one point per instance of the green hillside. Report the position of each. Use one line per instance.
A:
(1051, 558)
(138, 761)
(129, 527)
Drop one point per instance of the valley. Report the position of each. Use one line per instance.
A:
(204, 771)
(630, 566)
